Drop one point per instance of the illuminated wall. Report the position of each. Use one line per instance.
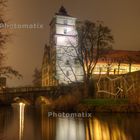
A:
(64, 35)
(62, 65)
(104, 68)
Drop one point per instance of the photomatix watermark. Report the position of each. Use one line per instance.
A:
(21, 26)
(69, 115)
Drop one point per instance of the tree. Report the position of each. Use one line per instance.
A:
(120, 60)
(94, 40)
(6, 71)
(37, 77)
(131, 60)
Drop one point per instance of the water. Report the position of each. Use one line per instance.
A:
(23, 123)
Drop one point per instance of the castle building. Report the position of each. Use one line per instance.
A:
(48, 69)
(118, 62)
(60, 63)
(60, 60)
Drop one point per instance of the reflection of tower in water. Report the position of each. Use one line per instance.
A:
(48, 125)
(70, 129)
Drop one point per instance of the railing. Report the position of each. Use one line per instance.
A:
(26, 89)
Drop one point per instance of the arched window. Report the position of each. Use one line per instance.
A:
(65, 30)
(65, 22)
(67, 62)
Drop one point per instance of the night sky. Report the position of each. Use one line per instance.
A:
(25, 46)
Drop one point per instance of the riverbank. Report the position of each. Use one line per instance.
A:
(107, 105)
(127, 108)
(96, 105)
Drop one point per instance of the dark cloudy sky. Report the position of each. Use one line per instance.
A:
(25, 47)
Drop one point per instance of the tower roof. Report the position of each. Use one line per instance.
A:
(62, 11)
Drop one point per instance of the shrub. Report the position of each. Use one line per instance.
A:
(67, 101)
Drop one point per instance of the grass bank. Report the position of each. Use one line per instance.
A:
(107, 105)
(104, 102)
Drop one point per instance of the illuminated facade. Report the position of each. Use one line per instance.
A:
(118, 62)
(48, 69)
(62, 66)
(60, 63)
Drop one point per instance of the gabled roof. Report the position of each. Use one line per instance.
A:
(124, 56)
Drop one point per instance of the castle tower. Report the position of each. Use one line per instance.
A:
(63, 43)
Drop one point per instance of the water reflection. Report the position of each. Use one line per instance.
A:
(47, 125)
(59, 128)
(21, 120)
(15, 130)
(70, 129)
(99, 130)
(23, 123)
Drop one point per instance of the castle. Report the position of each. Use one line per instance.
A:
(60, 62)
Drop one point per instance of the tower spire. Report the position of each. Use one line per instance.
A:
(62, 11)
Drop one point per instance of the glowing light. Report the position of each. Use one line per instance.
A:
(21, 120)
(70, 130)
(124, 68)
(101, 131)
(61, 40)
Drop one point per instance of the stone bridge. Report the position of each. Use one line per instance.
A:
(8, 95)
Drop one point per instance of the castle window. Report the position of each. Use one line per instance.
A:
(67, 62)
(65, 31)
(59, 58)
(76, 61)
(67, 73)
(65, 22)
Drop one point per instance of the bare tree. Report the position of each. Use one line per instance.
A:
(9, 72)
(6, 71)
(119, 60)
(37, 77)
(130, 60)
(94, 40)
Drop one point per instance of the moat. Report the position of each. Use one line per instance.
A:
(19, 122)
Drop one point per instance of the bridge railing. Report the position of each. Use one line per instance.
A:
(26, 89)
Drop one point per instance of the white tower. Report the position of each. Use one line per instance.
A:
(63, 37)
